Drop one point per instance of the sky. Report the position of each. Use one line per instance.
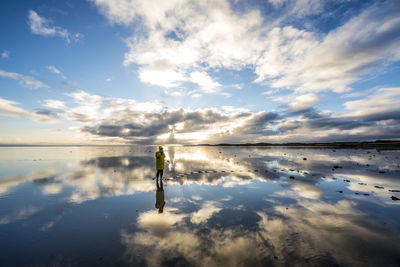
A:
(195, 72)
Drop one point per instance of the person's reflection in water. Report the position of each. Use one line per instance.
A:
(160, 196)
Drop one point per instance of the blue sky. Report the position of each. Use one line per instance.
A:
(181, 71)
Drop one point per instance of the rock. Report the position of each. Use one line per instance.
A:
(348, 181)
(364, 194)
(304, 158)
(394, 198)
(337, 167)
(380, 187)
(381, 172)
(394, 190)
(362, 184)
(339, 191)
(291, 177)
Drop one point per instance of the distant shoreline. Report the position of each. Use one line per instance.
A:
(379, 144)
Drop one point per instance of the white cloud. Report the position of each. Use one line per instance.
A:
(22, 214)
(42, 26)
(304, 101)
(383, 101)
(5, 54)
(8, 108)
(183, 37)
(26, 81)
(53, 69)
(205, 213)
(205, 82)
(277, 3)
(56, 104)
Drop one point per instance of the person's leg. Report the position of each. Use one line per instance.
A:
(161, 173)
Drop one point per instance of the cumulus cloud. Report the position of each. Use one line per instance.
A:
(42, 26)
(182, 41)
(303, 102)
(26, 81)
(207, 210)
(373, 117)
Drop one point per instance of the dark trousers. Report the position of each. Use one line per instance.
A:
(159, 173)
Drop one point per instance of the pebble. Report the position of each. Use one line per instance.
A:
(348, 181)
(291, 177)
(394, 198)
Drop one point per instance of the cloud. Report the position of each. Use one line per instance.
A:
(26, 81)
(205, 82)
(55, 104)
(8, 108)
(207, 210)
(42, 26)
(303, 102)
(186, 41)
(128, 121)
(5, 54)
(22, 214)
(56, 71)
(381, 105)
(336, 60)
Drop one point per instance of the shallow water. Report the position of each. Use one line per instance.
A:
(224, 206)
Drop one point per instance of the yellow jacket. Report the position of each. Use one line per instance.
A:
(160, 160)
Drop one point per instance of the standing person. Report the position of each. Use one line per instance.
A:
(160, 162)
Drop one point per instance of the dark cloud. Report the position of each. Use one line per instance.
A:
(48, 112)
